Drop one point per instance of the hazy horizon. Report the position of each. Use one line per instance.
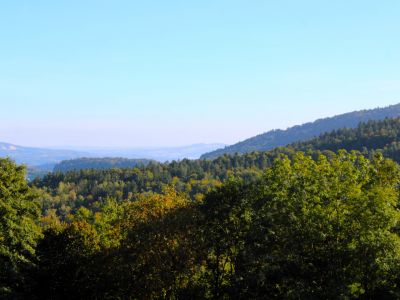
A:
(83, 147)
(165, 74)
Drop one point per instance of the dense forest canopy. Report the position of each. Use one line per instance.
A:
(323, 228)
(148, 150)
(19, 227)
(305, 221)
(383, 136)
(99, 163)
(67, 191)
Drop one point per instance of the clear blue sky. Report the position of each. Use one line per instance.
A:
(148, 73)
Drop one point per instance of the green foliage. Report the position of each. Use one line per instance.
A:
(374, 136)
(157, 257)
(319, 229)
(228, 215)
(67, 263)
(19, 229)
(99, 163)
(327, 227)
(67, 192)
(274, 225)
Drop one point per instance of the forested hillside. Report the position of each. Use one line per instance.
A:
(277, 138)
(281, 224)
(99, 163)
(322, 228)
(133, 193)
(65, 192)
(382, 136)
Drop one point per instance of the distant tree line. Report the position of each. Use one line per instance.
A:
(65, 192)
(99, 163)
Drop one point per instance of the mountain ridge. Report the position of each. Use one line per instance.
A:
(34, 156)
(46, 158)
(282, 137)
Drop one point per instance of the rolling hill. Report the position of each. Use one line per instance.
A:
(47, 158)
(373, 136)
(277, 138)
(199, 176)
(100, 164)
(40, 161)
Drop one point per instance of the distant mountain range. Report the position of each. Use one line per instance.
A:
(161, 154)
(45, 158)
(42, 160)
(37, 156)
(276, 138)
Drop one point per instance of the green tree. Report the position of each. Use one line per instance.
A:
(227, 216)
(325, 228)
(69, 263)
(19, 230)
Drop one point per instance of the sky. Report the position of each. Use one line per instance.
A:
(167, 73)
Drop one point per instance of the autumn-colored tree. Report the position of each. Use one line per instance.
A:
(156, 258)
